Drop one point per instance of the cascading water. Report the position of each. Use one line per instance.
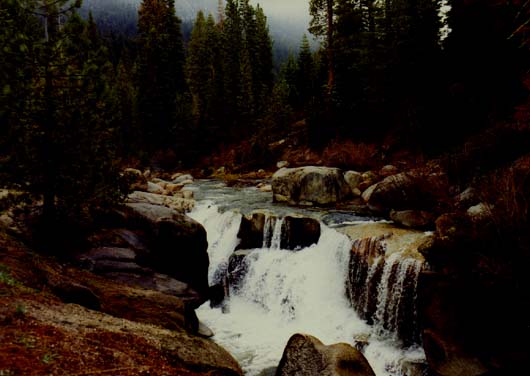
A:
(221, 232)
(284, 292)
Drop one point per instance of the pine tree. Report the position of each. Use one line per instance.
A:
(160, 72)
(323, 25)
(62, 143)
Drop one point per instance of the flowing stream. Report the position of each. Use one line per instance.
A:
(286, 292)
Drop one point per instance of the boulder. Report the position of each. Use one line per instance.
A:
(410, 190)
(309, 185)
(282, 164)
(177, 244)
(419, 219)
(306, 355)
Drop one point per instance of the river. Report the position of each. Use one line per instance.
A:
(286, 292)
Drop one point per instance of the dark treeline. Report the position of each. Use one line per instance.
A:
(75, 105)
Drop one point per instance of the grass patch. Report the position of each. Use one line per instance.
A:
(6, 278)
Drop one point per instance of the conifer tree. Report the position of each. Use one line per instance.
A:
(61, 139)
(160, 72)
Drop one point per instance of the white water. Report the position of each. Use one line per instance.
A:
(286, 292)
(221, 231)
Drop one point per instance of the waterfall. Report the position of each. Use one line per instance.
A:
(383, 289)
(283, 292)
(221, 231)
(272, 232)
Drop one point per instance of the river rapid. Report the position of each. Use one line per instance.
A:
(286, 292)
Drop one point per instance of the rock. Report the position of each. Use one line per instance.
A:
(282, 164)
(188, 195)
(271, 371)
(178, 244)
(181, 179)
(110, 253)
(306, 355)
(180, 204)
(154, 188)
(353, 178)
(112, 266)
(71, 292)
(266, 188)
(251, 230)
(204, 331)
(480, 212)
(299, 232)
(411, 190)
(135, 179)
(388, 170)
(415, 368)
(237, 268)
(447, 360)
(368, 178)
(368, 193)
(467, 198)
(310, 185)
(171, 188)
(418, 219)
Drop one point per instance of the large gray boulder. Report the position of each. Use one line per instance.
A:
(305, 355)
(177, 244)
(309, 185)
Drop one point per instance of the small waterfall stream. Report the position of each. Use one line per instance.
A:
(311, 291)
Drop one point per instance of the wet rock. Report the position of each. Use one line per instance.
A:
(306, 355)
(309, 185)
(237, 268)
(299, 232)
(109, 253)
(251, 230)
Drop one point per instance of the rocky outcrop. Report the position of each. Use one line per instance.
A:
(178, 202)
(126, 330)
(306, 355)
(309, 186)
